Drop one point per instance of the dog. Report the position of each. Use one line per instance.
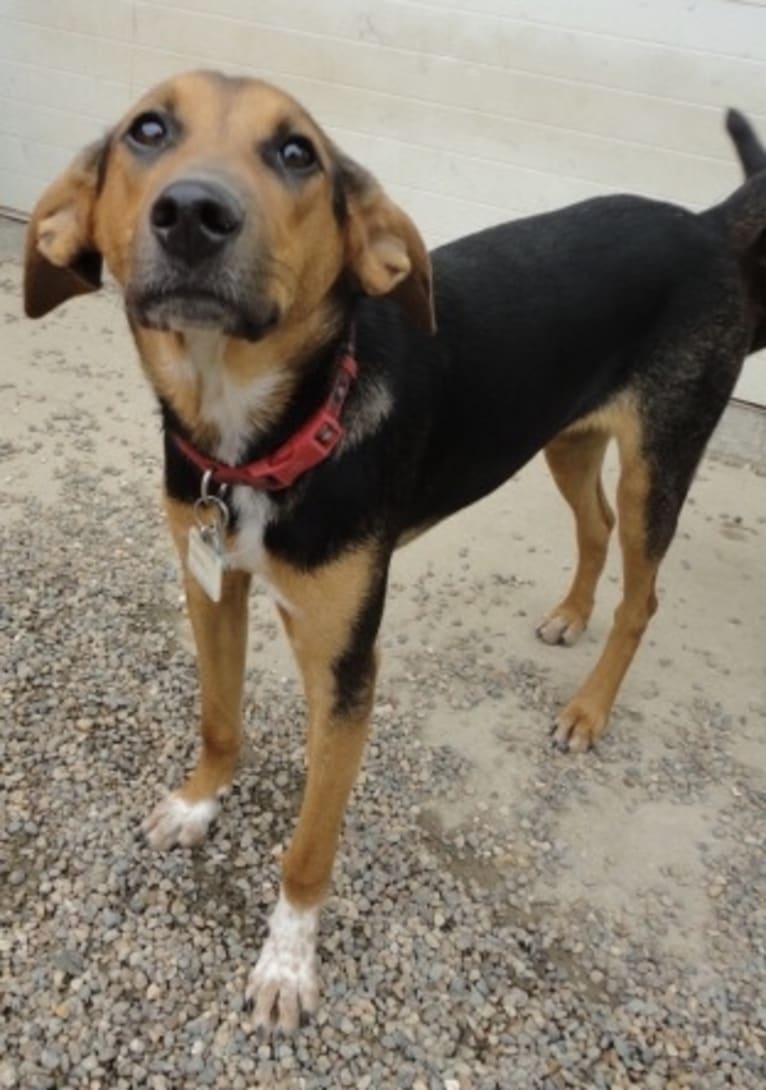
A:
(329, 391)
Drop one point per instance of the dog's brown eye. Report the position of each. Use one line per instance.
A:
(297, 154)
(148, 130)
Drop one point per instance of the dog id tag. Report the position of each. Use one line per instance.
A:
(205, 560)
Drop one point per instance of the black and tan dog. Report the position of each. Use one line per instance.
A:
(328, 392)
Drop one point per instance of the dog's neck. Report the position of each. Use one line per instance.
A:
(235, 399)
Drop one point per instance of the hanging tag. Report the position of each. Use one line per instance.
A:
(205, 561)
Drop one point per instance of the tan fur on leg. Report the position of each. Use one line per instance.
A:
(584, 718)
(326, 607)
(575, 460)
(220, 634)
(327, 604)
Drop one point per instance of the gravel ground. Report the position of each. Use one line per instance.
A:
(502, 915)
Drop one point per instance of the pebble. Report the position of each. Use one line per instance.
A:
(8, 1075)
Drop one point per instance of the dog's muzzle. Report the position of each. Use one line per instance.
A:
(190, 272)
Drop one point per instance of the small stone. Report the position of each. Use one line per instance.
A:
(49, 1059)
(70, 962)
(8, 1075)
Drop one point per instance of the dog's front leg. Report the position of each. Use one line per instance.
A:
(331, 617)
(220, 635)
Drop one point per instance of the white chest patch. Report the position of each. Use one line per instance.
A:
(232, 407)
(254, 510)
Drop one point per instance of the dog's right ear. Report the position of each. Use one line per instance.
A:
(61, 256)
(385, 253)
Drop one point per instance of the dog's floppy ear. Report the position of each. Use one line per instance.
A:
(61, 257)
(384, 250)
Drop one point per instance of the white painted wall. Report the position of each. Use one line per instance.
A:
(470, 111)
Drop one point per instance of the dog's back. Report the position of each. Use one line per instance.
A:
(554, 311)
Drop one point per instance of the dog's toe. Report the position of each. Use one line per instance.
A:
(280, 989)
(176, 821)
(578, 727)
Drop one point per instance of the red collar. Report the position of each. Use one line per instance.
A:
(309, 446)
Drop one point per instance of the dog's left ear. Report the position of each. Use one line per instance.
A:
(61, 256)
(385, 252)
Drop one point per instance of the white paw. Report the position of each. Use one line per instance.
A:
(175, 821)
(284, 981)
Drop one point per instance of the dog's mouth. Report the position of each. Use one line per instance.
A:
(179, 308)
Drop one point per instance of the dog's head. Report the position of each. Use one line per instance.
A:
(219, 203)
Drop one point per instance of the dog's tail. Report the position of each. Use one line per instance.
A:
(743, 218)
(743, 214)
(750, 150)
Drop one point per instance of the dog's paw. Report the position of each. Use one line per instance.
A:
(564, 625)
(175, 821)
(579, 726)
(284, 982)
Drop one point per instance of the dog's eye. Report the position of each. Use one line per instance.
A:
(297, 154)
(149, 130)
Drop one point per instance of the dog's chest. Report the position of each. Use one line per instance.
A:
(232, 408)
(254, 510)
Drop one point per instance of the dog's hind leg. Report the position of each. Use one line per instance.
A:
(575, 458)
(661, 428)
(584, 718)
(220, 635)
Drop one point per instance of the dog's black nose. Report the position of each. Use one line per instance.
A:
(193, 219)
